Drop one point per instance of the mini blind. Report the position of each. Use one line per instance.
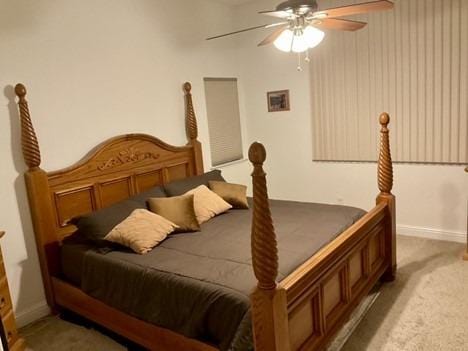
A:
(222, 105)
(411, 62)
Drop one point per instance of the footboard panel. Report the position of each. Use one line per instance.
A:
(323, 292)
(306, 309)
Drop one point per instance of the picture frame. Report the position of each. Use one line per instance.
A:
(278, 101)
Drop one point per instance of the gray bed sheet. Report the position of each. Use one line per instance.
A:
(198, 284)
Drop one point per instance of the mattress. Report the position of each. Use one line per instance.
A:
(198, 284)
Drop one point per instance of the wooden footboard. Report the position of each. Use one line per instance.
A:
(306, 309)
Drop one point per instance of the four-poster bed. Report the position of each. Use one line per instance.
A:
(303, 311)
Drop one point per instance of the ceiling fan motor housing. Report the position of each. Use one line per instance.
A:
(298, 6)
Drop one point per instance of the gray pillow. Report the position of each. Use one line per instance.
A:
(96, 225)
(180, 187)
(141, 198)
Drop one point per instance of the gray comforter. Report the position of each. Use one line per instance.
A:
(197, 284)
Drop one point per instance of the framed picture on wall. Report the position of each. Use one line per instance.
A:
(278, 101)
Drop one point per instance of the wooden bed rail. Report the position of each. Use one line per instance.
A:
(308, 307)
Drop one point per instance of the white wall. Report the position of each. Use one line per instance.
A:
(95, 69)
(432, 200)
(98, 68)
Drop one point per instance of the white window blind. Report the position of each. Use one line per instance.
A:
(411, 62)
(222, 104)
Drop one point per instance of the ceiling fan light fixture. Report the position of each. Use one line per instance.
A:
(313, 36)
(299, 40)
(284, 41)
(299, 43)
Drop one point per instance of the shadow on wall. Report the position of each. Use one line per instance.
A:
(30, 266)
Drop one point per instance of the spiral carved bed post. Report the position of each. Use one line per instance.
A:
(36, 183)
(192, 128)
(385, 181)
(268, 300)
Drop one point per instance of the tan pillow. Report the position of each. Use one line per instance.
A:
(178, 209)
(141, 231)
(207, 204)
(235, 194)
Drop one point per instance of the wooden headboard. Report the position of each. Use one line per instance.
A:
(113, 171)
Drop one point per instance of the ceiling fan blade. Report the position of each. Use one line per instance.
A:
(273, 36)
(280, 14)
(238, 31)
(339, 24)
(356, 9)
(248, 29)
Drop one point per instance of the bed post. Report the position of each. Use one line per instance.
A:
(192, 129)
(269, 306)
(385, 180)
(39, 199)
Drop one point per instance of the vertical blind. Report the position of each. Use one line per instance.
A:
(411, 62)
(222, 104)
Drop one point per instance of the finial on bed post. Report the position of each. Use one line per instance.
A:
(191, 122)
(264, 246)
(385, 180)
(192, 128)
(385, 169)
(29, 143)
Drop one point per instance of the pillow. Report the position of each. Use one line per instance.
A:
(96, 225)
(180, 187)
(207, 204)
(235, 194)
(178, 210)
(157, 191)
(141, 231)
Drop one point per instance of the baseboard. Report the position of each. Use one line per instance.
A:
(35, 312)
(430, 233)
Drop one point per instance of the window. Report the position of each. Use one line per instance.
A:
(222, 105)
(411, 62)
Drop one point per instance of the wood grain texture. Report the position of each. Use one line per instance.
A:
(465, 254)
(385, 168)
(264, 245)
(29, 143)
(191, 128)
(269, 314)
(145, 334)
(320, 295)
(12, 339)
(114, 170)
(323, 291)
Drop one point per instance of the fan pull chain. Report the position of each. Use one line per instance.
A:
(307, 58)
(299, 62)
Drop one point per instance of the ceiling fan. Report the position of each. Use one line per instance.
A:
(303, 19)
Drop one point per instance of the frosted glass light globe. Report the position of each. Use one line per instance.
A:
(283, 42)
(313, 36)
(300, 43)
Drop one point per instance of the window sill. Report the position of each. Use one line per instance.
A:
(228, 164)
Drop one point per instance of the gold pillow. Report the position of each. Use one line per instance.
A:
(235, 194)
(207, 204)
(177, 209)
(141, 231)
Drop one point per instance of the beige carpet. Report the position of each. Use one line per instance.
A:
(425, 309)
